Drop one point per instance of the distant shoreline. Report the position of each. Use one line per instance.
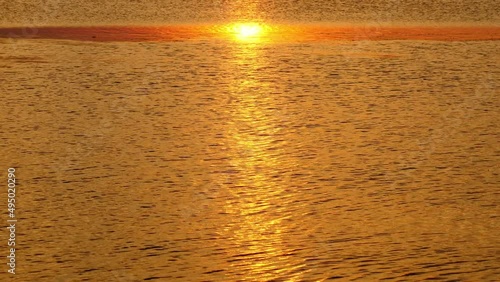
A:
(306, 32)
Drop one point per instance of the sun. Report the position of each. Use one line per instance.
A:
(245, 31)
(249, 30)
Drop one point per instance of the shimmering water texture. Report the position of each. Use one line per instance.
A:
(251, 152)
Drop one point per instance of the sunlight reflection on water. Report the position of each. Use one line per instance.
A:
(208, 153)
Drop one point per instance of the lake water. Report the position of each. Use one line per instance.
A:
(194, 157)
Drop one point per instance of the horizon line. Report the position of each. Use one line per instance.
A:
(314, 32)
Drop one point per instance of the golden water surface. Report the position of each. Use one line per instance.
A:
(244, 152)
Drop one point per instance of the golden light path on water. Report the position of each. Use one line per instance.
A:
(261, 226)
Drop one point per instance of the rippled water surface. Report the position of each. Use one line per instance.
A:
(238, 159)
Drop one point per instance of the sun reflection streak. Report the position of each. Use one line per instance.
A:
(259, 228)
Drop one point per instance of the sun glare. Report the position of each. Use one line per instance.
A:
(245, 31)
